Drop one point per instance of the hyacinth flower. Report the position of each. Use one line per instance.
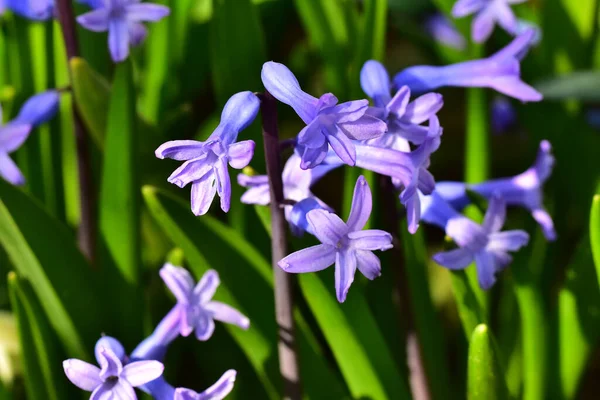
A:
(484, 244)
(442, 30)
(123, 20)
(523, 190)
(327, 122)
(161, 390)
(501, 72)
(403, 117)
(2, 6)
(206, 162)
(342, 243)
(296, 187)
(112, 380)
(37, 10)
(503, 115)
(36, 111)
(488, 13)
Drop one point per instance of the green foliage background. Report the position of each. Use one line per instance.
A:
(534, 336)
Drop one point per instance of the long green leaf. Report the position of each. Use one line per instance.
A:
(485, 375)
(43, 251)
(583, 85)
(428, 325)
(207, 243)
(469, 308)
(595, 233)
(579, 319)
(120, 196)
(39, 350)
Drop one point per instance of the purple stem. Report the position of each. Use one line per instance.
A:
(284, 299)
(417, 376)
(87, 227)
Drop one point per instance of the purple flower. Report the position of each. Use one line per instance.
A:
(39, 109)
(37, 10)
(12, 136)
(112, 379)
(503, 114)
(328, 123)
(484, 244)
(489, 12)
(123, 21)
(205, 164)
(523, 190)
(2, 6)
(161, 390)
(343, 243)
(403, 117)
(195, 307)
(500, 71)
(444, 31)
(296, 187)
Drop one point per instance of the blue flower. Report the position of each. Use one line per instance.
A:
(489, 12)
(500, 71)
(205, 165)
(37, 10)
(327, 123)
(123, 21)
(444, 31)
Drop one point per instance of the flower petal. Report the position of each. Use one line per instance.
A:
(423, 108)
(312, 157)
(223, 183)
(362, 204)
(310, 259)
(505, 17)
(399, 102)
(345, 267)
(375, 82)
(221, 388)
(241, 153)
(413, 212)
(284, 86)
(462, 8)
(495, 215)
(179, 281)
(368, 264)
(181, 150)
(146, 12)
(139, 372)
(204, 326)
(95, 21)
(367, 127)
(454, 259)
(239, 112)
(10, 171)
(39, 109)
(225, 313)
(12, 136)
(512, 86)
(207, 286)
(327, 227)
(483, 25)
(111, 343)
(486, 269)
(122, 391)
(111, 365)
(342, 145)
(508, 240)
(118, 39)
(545, 221)
(137, 33)
(371, 239)
(83, 375)
(202, 194)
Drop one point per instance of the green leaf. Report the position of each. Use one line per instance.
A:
(469, 308)
(119, 196)
(39, 348)
(595, 233)
(582, 85)
(429, 329)
(92, 97)
(43, 251)
(579, 319)
(207, 243)
(485, 375)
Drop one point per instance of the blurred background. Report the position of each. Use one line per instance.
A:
(191, 63)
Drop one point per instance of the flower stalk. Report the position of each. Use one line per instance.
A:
(87, 226)
(284, 300)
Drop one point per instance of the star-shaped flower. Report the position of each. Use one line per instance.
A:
(123, 21)
(523, 190)
(112, 380)
(342, 243)
(197, 311)
(489, 12)
(205, 164)
(327, 123)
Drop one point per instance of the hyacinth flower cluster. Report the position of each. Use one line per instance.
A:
(118, 373)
